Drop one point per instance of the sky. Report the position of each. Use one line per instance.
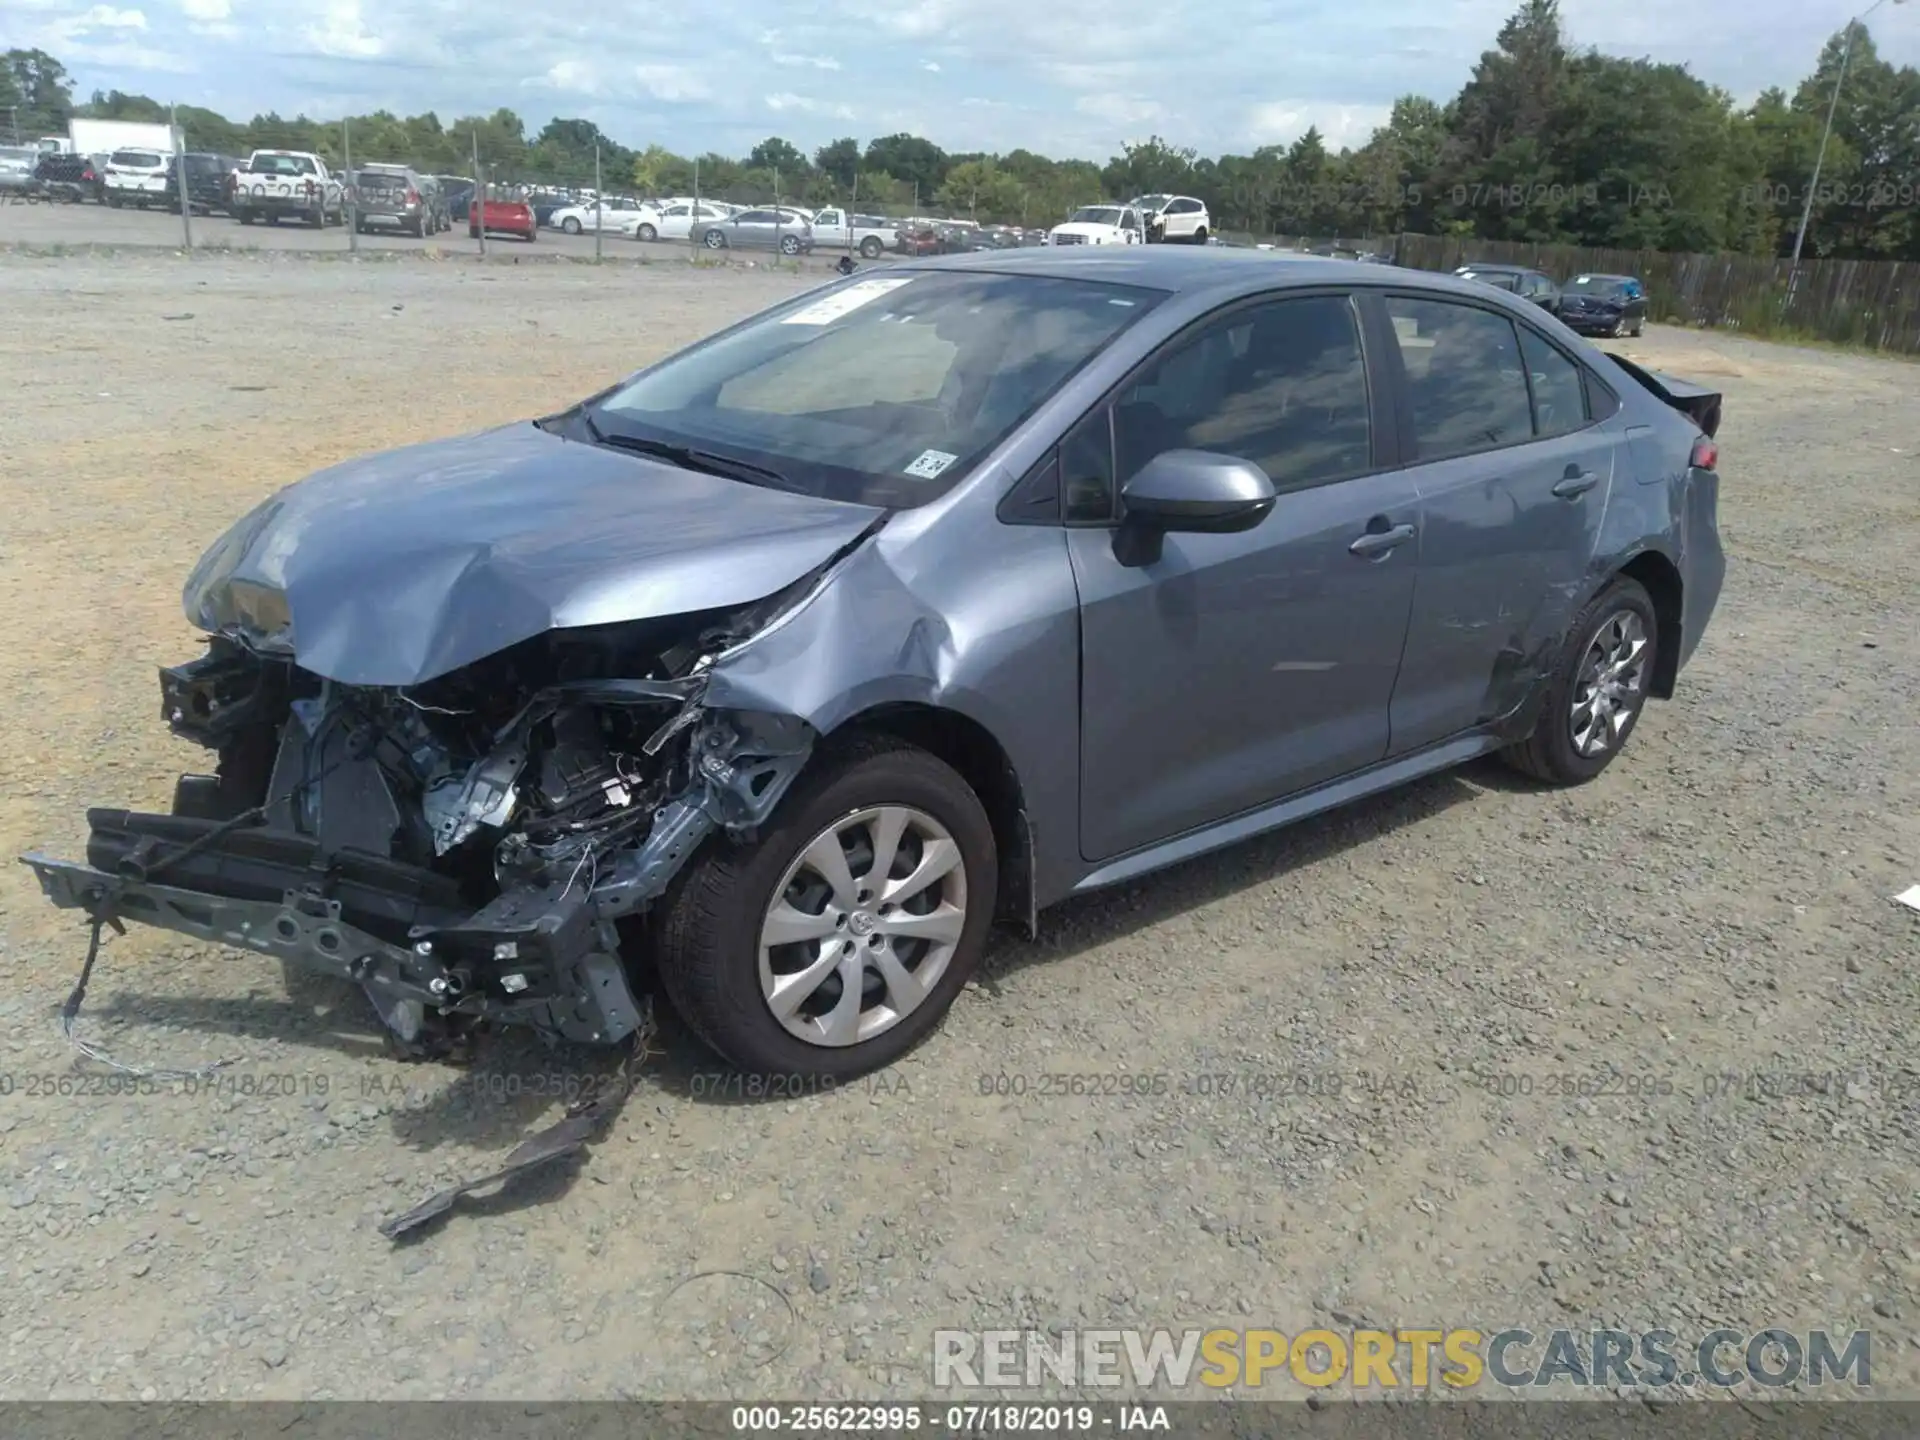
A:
(1067, 78)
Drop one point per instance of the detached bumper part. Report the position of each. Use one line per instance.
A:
(535, 958)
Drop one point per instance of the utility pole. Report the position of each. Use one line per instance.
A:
(349, 192)
(1813, 187)
(477, 206)
(693, 223)
(180, 170)
(850, 209)
(599, 203)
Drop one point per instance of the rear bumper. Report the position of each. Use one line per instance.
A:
(533, 958)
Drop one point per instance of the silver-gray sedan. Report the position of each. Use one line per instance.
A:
(791, 664)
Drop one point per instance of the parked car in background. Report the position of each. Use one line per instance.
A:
(63, 176)
(207, 189)
(1100, 225)
(958, 591)
(611, 217)
(17, 166)
(1521, 280)
(918, 239)
(759, 230)
(137, 177)
(505, 217)
(278, 185)
(546, 203)
(867, 235)
(387, 197)
(676, 220)
(1604, 305)
(1174, 219)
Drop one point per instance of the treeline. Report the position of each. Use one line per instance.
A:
(1544, 143)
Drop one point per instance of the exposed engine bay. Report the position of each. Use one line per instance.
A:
(468, 850)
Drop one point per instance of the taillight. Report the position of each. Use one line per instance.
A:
(413, 197)
(1706, 454)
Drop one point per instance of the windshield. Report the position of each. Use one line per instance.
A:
(1096, 215)
(1599, 285)
(881, 391)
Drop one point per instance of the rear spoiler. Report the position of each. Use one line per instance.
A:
(1696, 402)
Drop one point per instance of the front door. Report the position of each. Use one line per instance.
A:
(1238, 669)
(1514, 478)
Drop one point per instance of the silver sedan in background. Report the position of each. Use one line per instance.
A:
(760, 230)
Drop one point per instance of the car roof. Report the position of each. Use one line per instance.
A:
(1501, 269)
(1171, 267)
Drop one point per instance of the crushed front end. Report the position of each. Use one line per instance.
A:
(470, 850)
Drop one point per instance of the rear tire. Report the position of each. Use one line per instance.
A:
(1550, 754)
(1639, 328)
(1200, 236)
(711, 930)
(870, 248)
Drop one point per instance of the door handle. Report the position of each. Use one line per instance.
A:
(1575, 483)
(1379, 542)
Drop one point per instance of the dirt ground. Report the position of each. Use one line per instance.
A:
(1366, 1025)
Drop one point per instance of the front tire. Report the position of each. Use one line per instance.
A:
(646, 233)
(838, 941)
(570, 225)
(715, 240)
(790, 245)
(1600, 685)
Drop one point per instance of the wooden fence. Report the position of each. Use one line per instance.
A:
(1872, 303)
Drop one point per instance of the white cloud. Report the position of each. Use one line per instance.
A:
(207, 11)
(342, 33)
(575, 77)
(818, 62)
(933, 65)
(96, 19)
(671, 84)
(804, 105)
(1281, 122)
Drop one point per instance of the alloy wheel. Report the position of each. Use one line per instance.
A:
(1611, 684)
(862, 925)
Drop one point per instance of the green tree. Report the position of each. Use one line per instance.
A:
(839, 161)
(36, 95)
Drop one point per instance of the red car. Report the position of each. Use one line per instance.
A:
(505, 217)
(920, 240)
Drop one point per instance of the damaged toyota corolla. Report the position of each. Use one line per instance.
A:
(790, 664)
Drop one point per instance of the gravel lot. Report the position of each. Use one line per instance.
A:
(1715, 908)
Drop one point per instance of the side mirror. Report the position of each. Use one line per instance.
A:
(1194, 492)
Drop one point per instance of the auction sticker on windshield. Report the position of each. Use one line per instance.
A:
(830, 308)
(930, 464)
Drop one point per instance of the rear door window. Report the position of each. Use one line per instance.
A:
(1466, 381)
(1559, 397)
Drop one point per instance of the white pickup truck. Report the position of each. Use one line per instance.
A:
(288, 184)
(1100, 225)
(834, 229)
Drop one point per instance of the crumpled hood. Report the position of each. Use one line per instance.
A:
(400, 567)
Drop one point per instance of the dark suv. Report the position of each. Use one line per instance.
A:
(1517, 280)
(206, 182)
(69, 177)
(394, 197)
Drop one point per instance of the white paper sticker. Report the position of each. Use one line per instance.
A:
(930, 464)
(830, 308)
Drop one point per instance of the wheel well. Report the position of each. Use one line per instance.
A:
(969, 747)
(1661, 581)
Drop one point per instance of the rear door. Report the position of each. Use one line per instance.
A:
(1514, 471)
(1238, 669)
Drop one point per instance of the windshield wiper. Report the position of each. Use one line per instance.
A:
(690, 459)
